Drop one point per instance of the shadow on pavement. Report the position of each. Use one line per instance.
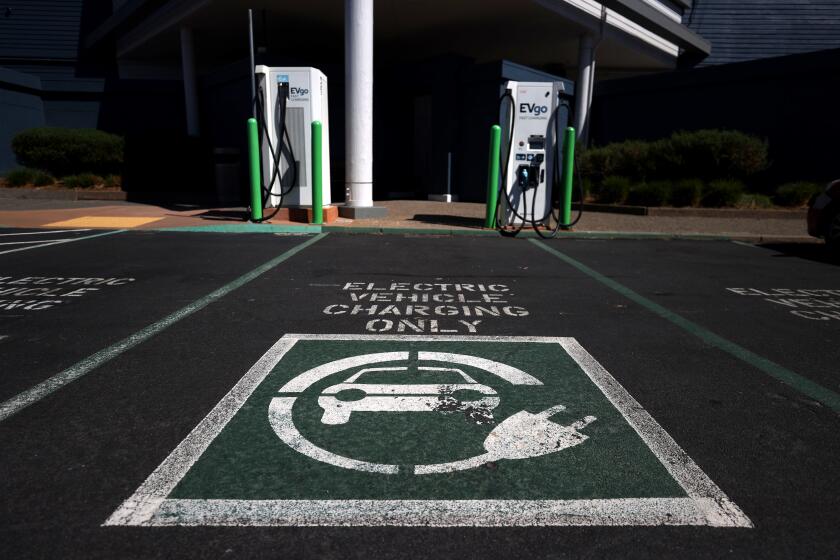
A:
(810, 251)
(443, 219)
(225, 215)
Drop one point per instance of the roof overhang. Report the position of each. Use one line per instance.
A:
(634, 34)
(657, 22)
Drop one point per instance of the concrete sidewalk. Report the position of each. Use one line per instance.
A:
(418, 215)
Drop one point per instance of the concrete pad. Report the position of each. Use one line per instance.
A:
(362, 213)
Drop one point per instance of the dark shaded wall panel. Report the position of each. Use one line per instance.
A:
(791, 101)
(742, 30)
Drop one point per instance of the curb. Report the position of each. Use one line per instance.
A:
(668, 212)
(662, 212)
(350, 230)
(67, 194)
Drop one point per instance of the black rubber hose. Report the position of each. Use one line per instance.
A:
(280, 122)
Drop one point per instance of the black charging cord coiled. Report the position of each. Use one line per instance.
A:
(503, 184)
(275, 155)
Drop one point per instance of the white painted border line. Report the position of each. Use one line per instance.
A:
(426, 338)
(74, 372)
(430, 513)
(59, 242)
(719, 508)
(706, 504)
(144, 503)
(34, 241)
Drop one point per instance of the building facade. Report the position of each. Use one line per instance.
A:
(172, 76)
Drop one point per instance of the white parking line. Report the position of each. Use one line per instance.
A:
(59, 380)
(61, 241)
(35, 241)
(44, 232)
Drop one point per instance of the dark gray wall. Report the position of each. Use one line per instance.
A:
(40, 29)
(20, 107)
(43, 78)
(742, 30)
(791, 101)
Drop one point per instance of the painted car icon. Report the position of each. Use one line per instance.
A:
(343, 399)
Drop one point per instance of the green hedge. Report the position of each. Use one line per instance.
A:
(721, 193)
(796, 194)
(69, 151)
(612, 190)
(82, 181)
(654, 193)
(25, 176)
(686, 192)
(705, 154)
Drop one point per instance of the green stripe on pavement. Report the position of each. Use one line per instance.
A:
(74, 372)
(803, 385)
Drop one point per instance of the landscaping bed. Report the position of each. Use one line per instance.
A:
(699, 169)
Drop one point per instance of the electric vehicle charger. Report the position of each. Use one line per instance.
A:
(286, 101)
(525, 181)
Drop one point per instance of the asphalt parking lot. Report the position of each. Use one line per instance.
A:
(198, 394)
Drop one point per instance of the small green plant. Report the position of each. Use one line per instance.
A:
(706, 154)
(755, 201)
(654, 193)
(112, 181)
(722, 193)
(686, 192)
(25, 176)
(82, 181)
(796, 194)
(612, 190)
(69, 151)
(19, 177)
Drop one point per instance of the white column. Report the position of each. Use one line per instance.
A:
(190, 84)
(358, 102)
(583, 85)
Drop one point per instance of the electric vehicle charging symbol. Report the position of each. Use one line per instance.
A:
(338, 401)
(522, 435)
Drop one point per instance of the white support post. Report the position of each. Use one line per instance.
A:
(584, 85)
(190, 84)
(358, 102)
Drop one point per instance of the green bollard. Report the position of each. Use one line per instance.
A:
(317, 175)
(254, 166)
(493, 176)
(568, 174)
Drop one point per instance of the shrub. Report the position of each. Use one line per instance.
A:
(686, 192)
(723, 192)
(706, 154)
(112, 181)
(796, 194)
(632, 159)
(754, 201)
(713, 154)
(25, 176)
(655, 193)
(82, 181)
(19, 177)
(612, 190)
(69, 151)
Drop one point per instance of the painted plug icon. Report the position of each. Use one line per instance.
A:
(525, 435)
(521, 436)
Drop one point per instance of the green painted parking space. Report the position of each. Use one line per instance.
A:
(428, 430)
